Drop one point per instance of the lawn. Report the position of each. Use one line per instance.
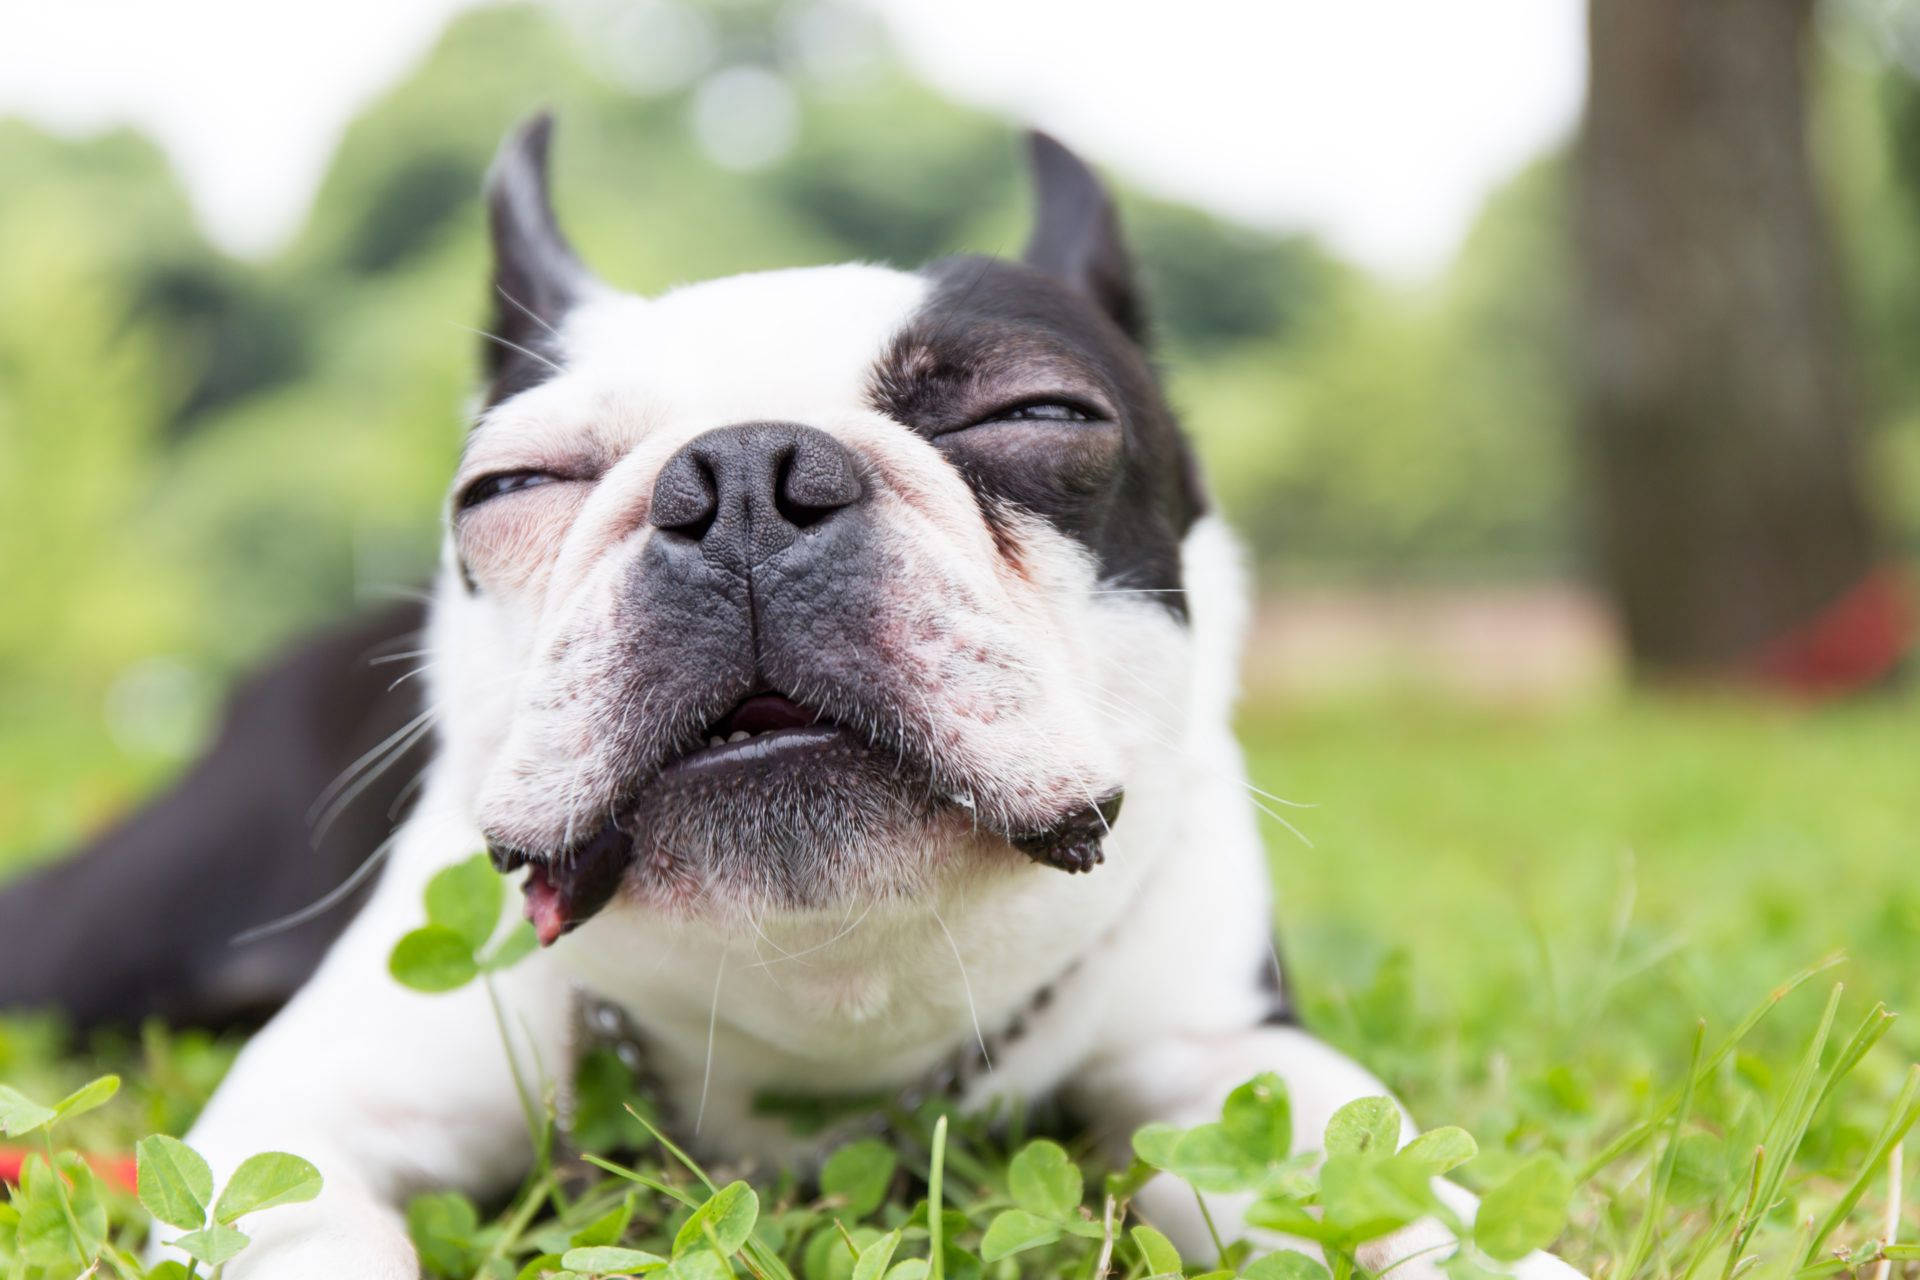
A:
(1520, 918)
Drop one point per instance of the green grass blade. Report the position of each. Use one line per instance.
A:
(1906, 1111)
(673, 1149)
(1785, 1133)
(1879, 1022)
(1639, 1133)
(664, 1188)
(1643, 1240)
(1728, 1222)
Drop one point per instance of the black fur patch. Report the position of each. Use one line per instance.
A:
(996, 333)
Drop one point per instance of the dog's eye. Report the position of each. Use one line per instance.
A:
(501, 483)
(1042, 411)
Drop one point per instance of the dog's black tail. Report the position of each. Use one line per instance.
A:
(313, 766)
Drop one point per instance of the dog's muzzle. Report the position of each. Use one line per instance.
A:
(773, 751)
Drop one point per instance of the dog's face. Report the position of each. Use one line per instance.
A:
(791, 589)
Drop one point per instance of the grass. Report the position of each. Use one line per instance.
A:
(1579, 887)
(1529, 922)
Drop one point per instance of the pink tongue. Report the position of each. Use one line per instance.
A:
(547, 906)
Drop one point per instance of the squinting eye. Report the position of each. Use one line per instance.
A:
(505, 482)
(1043, 411)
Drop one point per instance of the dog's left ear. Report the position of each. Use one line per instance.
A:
(537, 278)
(1076, 233)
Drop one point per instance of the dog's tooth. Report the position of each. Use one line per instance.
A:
(716, 740)
(738, 735)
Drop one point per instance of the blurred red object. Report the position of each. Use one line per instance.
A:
(1852, 645)
(121, 1171)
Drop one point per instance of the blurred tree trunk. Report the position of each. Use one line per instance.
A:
(1718, 415)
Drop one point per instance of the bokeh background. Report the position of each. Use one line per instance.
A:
(1579, 475)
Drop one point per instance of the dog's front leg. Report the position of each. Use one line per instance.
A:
(388, 1091)
(1183, 1080)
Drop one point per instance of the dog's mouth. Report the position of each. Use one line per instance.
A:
(761, 736)
(744, 787)
(761, 729)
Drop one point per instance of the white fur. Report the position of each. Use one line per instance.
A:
(1154, 954)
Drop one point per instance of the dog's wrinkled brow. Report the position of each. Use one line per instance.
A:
(992, 332)
(936, 382)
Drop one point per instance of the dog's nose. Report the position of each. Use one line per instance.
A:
(747, 492)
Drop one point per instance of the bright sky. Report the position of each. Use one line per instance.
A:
(1381, 124)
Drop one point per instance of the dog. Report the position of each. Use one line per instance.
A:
(841, 661)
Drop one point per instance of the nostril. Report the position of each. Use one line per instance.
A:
(811, 484)
(686, 497)
(788, 498)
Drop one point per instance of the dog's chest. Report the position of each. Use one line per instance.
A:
(841, 1014)
(791, 1122)
(994, 999)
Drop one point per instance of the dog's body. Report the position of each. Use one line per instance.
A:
(798, 639)
(274, 824)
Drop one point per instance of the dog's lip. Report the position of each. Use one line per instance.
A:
(761, 728)
(761, 732)
(562, 891)
(773, 746)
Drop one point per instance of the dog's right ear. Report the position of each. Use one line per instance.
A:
(537, 278)
(1076, 234)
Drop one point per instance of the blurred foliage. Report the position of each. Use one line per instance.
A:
(1398, 434)
(199, 455)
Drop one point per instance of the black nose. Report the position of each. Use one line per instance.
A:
(748, 492)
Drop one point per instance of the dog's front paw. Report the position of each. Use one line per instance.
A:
(1545, 1266)
(1419, 1252)
(330, 1239)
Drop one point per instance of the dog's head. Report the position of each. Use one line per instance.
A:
(787, 589)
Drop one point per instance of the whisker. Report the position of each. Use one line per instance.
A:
(760, 961)
(376, 653)
(821, 946)
(1291, 804)
(385, 658)
(1116, 702)
(511, 346)
(406, 793)
(1149, 687)
(753, 922)
(965, 985)
(405, 676)
(526, 310)
(1109, 703)
(713, 1024)
(327, 803)
(319, 906)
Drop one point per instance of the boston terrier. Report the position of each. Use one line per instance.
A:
(840, 660)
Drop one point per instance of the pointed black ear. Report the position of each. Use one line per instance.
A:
(1076, 234)
(537, 278)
